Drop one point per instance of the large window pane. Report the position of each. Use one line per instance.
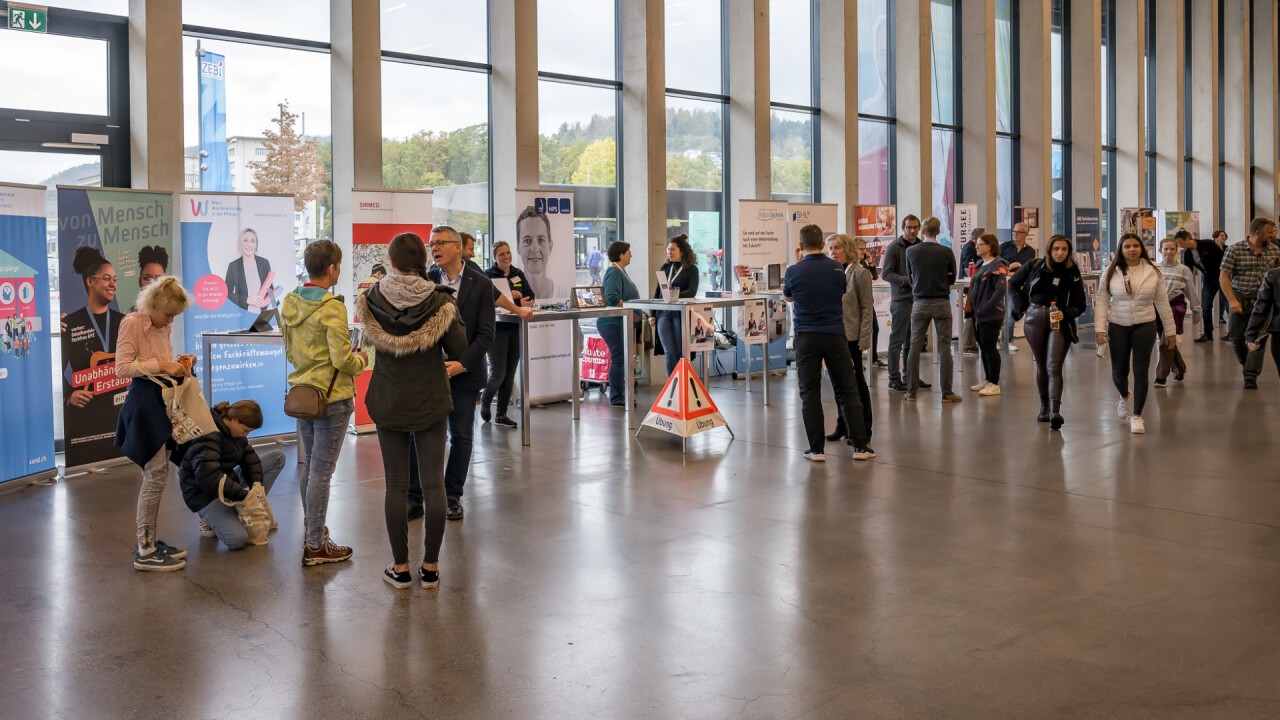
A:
(695, 182)
(1055, 63)
(791, 51)
(578, 148)
(944, 180)
(301, 19)
(791, 140)
(1004, 186)
(53, 73)
(259, 97)
(1059, 207)
(436, 28)
(875, 62)
(693, 45)
(875, 170)
(435, 135)
(1004, 66)
(576, 37)
(944, 65)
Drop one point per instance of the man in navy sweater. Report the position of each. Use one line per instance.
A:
(815, 286)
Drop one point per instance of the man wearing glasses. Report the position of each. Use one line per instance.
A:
(1017, 253)
(893, 270)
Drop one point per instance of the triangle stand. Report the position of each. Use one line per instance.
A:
(684, 407)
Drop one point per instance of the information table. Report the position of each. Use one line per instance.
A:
(685, 305)
(575, 392)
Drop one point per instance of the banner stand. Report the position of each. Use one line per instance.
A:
(92, 468)
(40, 478)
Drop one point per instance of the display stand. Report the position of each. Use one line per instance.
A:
(574, 316)
(209, 339)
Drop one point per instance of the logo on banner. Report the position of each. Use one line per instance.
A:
(214, 69)
(199, 208)
(7, 293)
(553, 206)
(26, 292)
(769, 215)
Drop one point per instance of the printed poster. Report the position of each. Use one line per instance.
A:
(104, 236)
(1175, 220)
(702, 328)
(1088, 240)
(545, 252)
(26, 356)
(873, 221)
(824, 215)
(1030, 216)
(752, 329)
(239, 259)
(774, 334)
(762, 234)
(1137, 220)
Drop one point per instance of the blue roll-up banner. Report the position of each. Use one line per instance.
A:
(238, 259)
(215, 173)
(26, 357)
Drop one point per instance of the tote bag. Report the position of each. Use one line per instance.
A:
(184, 403)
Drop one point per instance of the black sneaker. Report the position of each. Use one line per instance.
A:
(156, 561)
(863, 453)
(395, 579)
(924, 385)
(174, 552)
(506, 422)
(1250, 383)
(485, 413)
(455, 510)
(430, 578)
(898, 387)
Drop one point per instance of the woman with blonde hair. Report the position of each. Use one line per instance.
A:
(145, 348)
(858, 311)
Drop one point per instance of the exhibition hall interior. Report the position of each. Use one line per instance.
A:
(639, 359)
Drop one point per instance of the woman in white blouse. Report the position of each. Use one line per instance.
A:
(1180, 286)
(1131, 296)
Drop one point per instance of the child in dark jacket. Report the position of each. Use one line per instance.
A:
(226, 452)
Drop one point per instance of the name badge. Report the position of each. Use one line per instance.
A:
(1055, 281)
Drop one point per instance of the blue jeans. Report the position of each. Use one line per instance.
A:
(323, 441)
(224, 521)
(669, 333)
(613, 337)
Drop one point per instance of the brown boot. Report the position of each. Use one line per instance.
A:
(328, 552)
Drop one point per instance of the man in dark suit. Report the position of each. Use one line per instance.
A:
(468, 373)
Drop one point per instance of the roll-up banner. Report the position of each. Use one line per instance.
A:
(762, 234)
(1030, 216)
(1141, 221)
(545, 251)
(26, 357)
(378, 216)
(824, 215)
(103, 238)
(238, 260)
(877, 225)
(1088, 243)
(964, 221)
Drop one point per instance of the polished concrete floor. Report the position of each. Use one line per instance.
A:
(980, 567)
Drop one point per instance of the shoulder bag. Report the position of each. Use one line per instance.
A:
(306, 402)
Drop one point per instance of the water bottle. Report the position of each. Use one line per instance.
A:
(1053, 308)
(972, 267)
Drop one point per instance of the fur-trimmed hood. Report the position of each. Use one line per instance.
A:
(404, 331)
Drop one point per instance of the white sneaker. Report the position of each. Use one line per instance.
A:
(1136, 425)
(205, 530)
(1013, 348)
(989, 390)
(1122, 409)
(814, 456)
(979, 387)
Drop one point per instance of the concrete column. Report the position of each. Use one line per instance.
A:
(1131, 106)
(1170, 134)
(1086, 103)
(1265, 160)
(1035, 83)
(356, 86)
(644, 136)
(1237, 202)
(838, 48)
(155, 79)
(513, 28)
(913, 25)
(1204, 113)
(978, 88)
(750, 175)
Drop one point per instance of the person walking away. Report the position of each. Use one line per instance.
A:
(1243, 268)
(893, 270)
(858, 312)
(985, 302)
(1180, 287)
(1131, 296)
(681, 271)
(413, 325)
(1050, 292)
(318, 345)
(932, 270)
(145, 347)
(1265, 318)
(816, 286)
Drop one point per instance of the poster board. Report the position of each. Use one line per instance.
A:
(877, 225)
(1030, 216)
(824, 215)
(377, 217)
(1141, 221)
(1088, 240)
(96, 225)
(762, 234)
(26, 355)
(1174, 220)
(239, 258)
(544, 251)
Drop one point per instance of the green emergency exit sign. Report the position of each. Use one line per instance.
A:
(29, 18)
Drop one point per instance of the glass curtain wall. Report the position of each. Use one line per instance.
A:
(696, 117)
(435, 110)
(1149, 117)
(794, 102)
(946, 113)
(578, 117)
(1060, 71)
(876, 124)
(1007, 120)
(1109, 205)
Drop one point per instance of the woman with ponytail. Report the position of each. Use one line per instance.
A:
(226, 452)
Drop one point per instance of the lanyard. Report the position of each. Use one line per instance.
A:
(104, 338)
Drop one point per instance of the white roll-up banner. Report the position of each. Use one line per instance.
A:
(544, 250)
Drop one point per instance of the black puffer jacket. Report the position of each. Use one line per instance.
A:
(411, 324)
(205, 460)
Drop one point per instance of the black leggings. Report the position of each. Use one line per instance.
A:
(504, 358)
(864, 392)
(1049, 348)
(989, 345)
(428, 445)
(1136, 341)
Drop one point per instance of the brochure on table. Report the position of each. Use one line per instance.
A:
(26, 357)
(239, 258)
(101, 234)
(378, 216)
(544, 249)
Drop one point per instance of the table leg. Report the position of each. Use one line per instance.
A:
(207, 372)
(576, 389)
(764, 366)
(524, 383)
(628, 373)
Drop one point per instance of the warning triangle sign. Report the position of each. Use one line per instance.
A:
(684, 407)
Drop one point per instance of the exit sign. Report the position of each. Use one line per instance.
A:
(29, 18)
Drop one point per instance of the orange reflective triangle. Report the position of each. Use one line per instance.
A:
(684, 397)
